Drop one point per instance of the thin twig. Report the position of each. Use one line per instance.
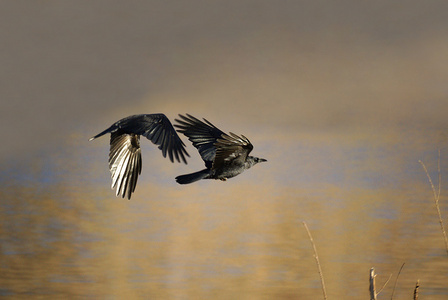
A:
(395, 284)
(384, 285)
(436, 199)
(372, 287)
(440, 176)
(317, 261)
(372, 284)
(417, 285)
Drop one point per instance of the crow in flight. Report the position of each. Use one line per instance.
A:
(125, 160)
(225, 155)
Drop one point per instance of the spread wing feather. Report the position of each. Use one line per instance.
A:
(215, 147)
(202, 134)
(125, 162)
(231, 149)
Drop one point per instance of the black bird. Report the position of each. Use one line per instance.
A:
(225, 155)
(125, 159)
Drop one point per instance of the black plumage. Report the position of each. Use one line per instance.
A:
(125, 160)
(225, 155)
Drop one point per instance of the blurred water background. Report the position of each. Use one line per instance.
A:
(342, 98)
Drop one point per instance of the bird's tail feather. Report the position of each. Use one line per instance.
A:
(190, 178)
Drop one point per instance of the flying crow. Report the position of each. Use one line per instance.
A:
(225, 155)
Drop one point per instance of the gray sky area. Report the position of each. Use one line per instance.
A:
(74, 67)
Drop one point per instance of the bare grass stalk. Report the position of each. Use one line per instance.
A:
(372, 287)
(372, 284)
(437, 197)
(417, 285)
(395, 284)
(317, 261)
(384, 285)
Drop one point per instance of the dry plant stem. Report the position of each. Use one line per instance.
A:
(372, 284)
(395, 284)
(417, 285)
(384, 285)
(372, 288)
(317, 261)
(440, 176)
(436, 199)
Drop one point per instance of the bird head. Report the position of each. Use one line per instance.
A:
(251, 160)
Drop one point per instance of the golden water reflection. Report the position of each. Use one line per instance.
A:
(232, 242)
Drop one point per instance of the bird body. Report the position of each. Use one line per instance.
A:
(225, 155)
(125, 160)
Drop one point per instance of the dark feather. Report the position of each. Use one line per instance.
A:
(225, 155)
(125, 162)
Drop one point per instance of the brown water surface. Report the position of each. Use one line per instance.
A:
(343, 98)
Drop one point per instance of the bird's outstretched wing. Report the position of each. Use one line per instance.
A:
(231, 149)
(203, 135)
(125, 161)
(157, 128)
